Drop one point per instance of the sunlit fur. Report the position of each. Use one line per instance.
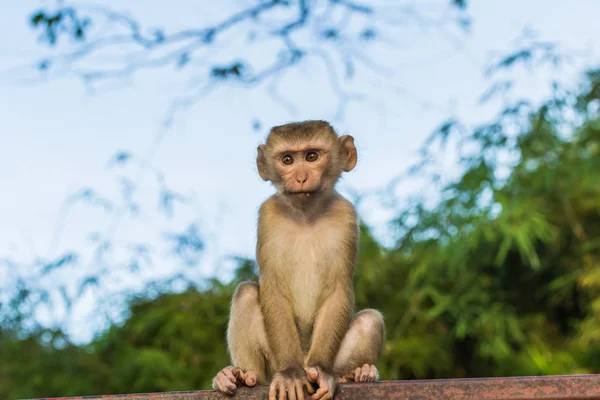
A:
(298, 323)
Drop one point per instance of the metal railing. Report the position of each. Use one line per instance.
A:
(572, 387)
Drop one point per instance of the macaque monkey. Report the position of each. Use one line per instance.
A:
(297, 326)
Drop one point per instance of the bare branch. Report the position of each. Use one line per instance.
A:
(157, 48)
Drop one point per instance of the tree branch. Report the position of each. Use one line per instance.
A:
(179, 48)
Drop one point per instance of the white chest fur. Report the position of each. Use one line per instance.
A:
(308, 255)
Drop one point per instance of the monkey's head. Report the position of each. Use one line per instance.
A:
(305, 159)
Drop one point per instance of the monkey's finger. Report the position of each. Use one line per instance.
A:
(365, 372)
(320, 393)
(282, 392)
(299, 391)
(357, 372)
(291, 391)
(273, 391)
(328, 396)
(309, 388)
(312, 374)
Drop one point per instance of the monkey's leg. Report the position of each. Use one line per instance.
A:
(246, 342)
(360, 348)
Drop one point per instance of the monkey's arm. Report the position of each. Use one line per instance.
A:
(280, 327)
(275, 302)
(335, 314)
(331, 325)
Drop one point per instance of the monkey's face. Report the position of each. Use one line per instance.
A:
(302, 169)
(300, 172)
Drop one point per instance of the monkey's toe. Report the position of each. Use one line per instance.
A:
(223, 383)
(349, 377)
(229, 378)
(250, 378)
(373, 374)
(366, 373)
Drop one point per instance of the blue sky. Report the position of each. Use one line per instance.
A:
(56, 137)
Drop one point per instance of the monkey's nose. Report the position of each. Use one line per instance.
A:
(301, 178)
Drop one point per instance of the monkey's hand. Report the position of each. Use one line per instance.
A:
(326, 382)
(229, 378)
(289, 385)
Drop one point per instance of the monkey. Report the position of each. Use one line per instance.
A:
(296, 329)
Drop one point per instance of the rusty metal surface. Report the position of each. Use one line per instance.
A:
(573, 387)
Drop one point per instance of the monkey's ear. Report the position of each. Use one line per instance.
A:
(349, 154)
(261, 163)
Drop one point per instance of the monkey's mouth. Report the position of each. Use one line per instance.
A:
(302, 194)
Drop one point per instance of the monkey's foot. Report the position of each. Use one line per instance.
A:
(326, 384)
(366, 373)
(229, 378)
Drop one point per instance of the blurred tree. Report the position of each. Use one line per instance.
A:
(498, 278)
(43, 362)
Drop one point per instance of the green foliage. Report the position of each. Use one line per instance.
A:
(45, 363)
(168, 343)
(501, 277)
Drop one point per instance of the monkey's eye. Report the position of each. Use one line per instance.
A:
(312, 156)
(287, 159)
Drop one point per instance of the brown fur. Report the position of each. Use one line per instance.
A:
(298, 324)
